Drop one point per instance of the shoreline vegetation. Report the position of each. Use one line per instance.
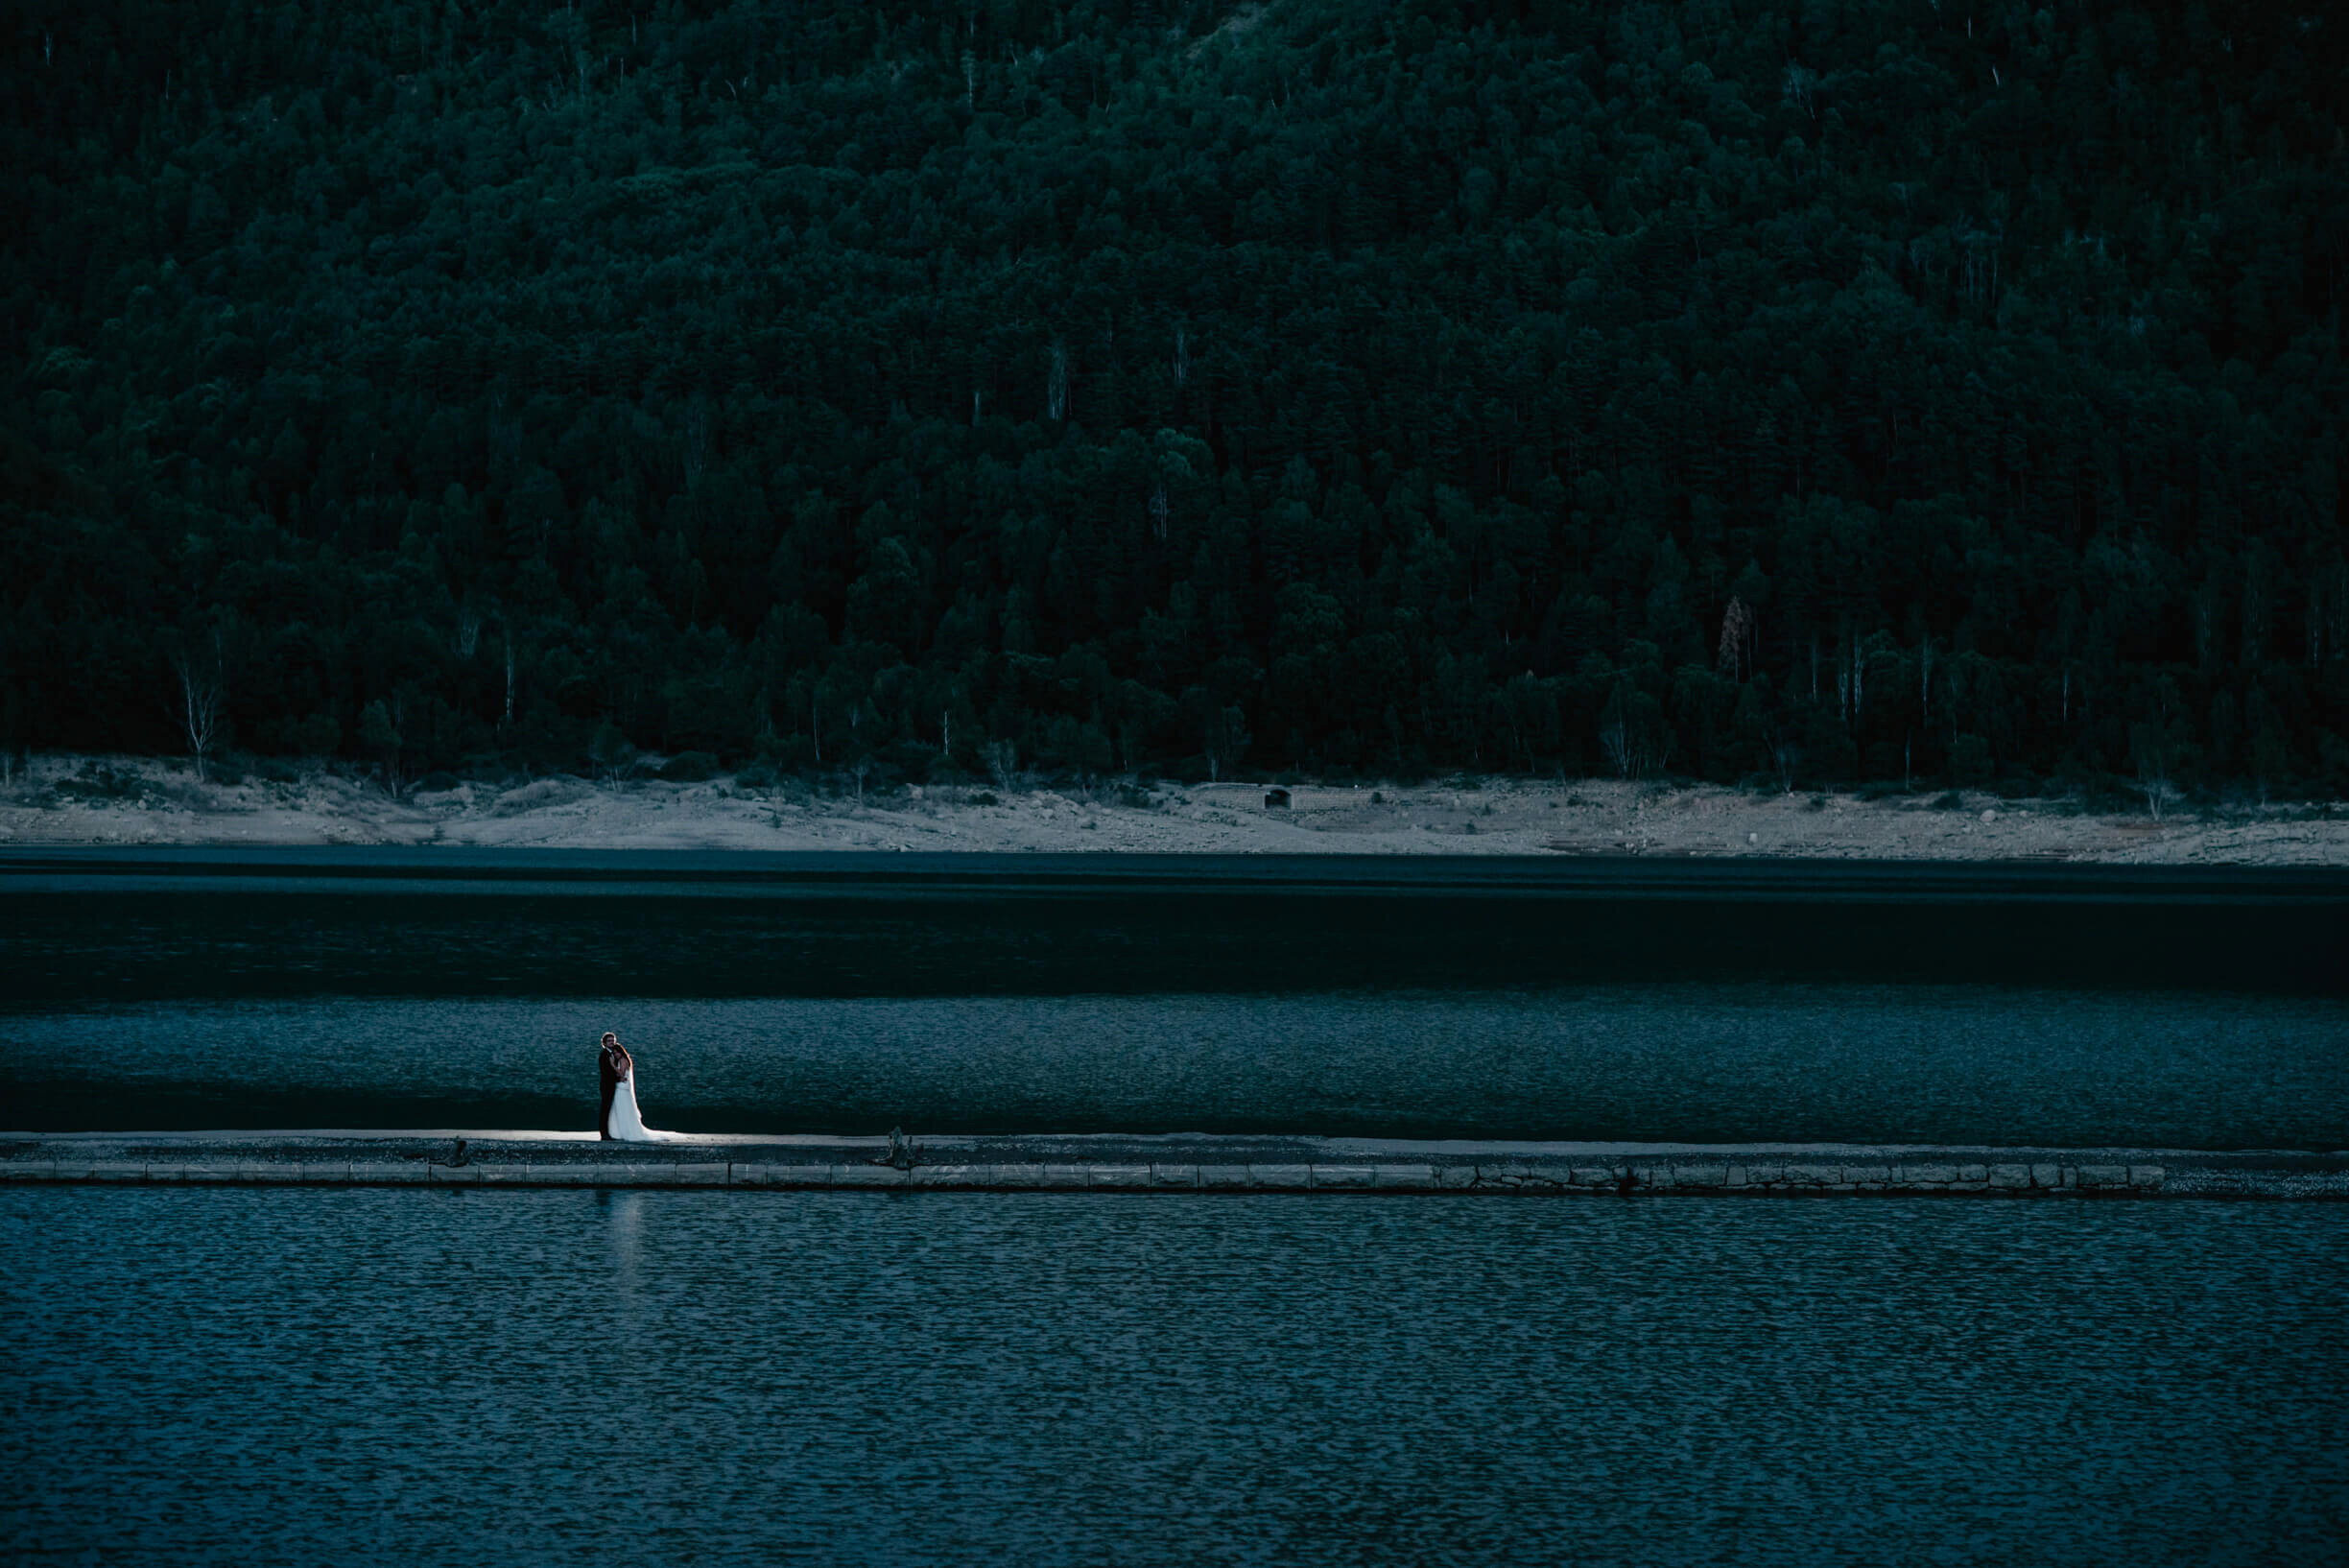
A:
(62, 799)
(1732, 391)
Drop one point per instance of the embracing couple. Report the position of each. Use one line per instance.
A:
(616, 1074)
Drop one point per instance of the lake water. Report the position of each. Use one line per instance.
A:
(2052, 1005)
(281, 1376)
(304, 1376)
(1741, 1062)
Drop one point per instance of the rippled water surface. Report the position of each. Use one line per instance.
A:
(1734, 1002)
(1725, 1063)
(368, 1376)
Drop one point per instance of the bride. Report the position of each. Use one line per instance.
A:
(622, 1122)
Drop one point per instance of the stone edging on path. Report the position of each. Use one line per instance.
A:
(2207, 1176)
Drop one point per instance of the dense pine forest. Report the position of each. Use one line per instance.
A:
(1795, 392)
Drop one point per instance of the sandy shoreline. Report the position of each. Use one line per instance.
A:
(126, 800)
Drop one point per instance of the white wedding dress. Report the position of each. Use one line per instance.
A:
(626, 1120)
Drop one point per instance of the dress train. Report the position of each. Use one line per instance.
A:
(626, 1120)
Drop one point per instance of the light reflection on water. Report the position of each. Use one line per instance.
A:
(1980, 1065)
(265, 1376)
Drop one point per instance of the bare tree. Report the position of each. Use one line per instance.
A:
(2154, 783)
(1629, 735)
(2152, 747)
(1002, 760)
(1800, 89)
(613, 754)
(1736, 635)
(1786, 756)
(202, 695)
(1615, 739)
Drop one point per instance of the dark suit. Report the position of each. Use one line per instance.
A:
(608, 1079)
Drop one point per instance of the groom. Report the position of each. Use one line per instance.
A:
(611, 1065)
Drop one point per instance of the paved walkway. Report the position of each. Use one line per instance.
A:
(515, 1159)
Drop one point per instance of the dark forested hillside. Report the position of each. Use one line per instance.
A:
(1824, 390)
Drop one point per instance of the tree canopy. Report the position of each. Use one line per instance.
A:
(1829, 390)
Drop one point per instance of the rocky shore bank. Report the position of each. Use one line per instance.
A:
(127, 800)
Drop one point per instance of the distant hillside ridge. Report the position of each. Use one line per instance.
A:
(1843, 393)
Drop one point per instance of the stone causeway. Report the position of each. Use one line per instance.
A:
(1205, 1165)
